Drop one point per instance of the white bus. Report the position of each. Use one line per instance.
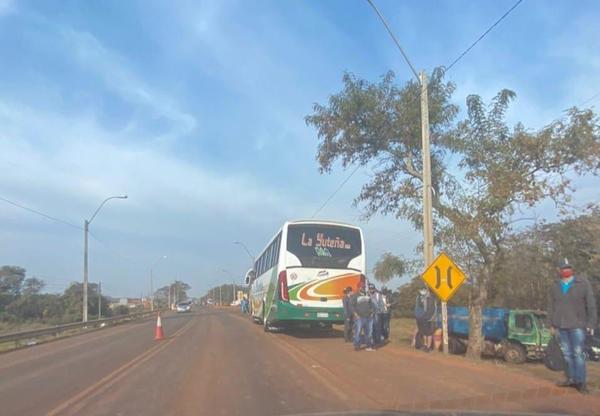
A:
(301, 274)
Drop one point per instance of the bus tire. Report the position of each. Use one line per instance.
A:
(455, 346)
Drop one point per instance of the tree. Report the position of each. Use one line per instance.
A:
(388, 267)
(32, 286)
(482, 170)
(73, 301)
(11, 279)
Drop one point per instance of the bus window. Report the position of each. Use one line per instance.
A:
(324, 246)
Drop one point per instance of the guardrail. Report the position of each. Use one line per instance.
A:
(60, 330)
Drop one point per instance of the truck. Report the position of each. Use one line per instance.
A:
(515, 334)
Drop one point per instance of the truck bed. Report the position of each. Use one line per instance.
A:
(494, 322)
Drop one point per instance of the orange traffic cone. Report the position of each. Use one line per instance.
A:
(158, 333)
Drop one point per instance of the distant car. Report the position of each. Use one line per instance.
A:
(184, 307)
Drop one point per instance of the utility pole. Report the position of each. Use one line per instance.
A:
(220, 298)
(169, 297)
(151, 291)
(427, 203)
(86, 226)
(99, 300)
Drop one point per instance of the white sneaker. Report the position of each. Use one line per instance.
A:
(369, 349)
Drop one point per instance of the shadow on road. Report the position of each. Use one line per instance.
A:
(307, 332)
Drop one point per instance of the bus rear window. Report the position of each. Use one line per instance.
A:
(324, 246)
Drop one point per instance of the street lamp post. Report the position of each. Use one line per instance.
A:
(86, 227)
(152, 282)
(247, 251)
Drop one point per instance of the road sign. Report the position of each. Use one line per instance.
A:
(443, 277)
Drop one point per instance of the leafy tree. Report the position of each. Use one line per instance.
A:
(388, 267)
(482, 169)
(11, 279)
(32, 286)
(73, 301)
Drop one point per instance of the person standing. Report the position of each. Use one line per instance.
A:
(377, 298)
(572, 311)
(363, 310)
(425, 313)
(385, 316)
(347, 314)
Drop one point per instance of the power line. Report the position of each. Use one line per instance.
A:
(589, 100)
(336, 191)
(40, 213)
(393, 38)
(445, 70)
(482, 36)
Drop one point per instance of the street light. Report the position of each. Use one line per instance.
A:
(86, 226)
(151, 282)
(245, 248)
(232, 284)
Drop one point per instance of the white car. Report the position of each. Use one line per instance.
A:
(184, 307)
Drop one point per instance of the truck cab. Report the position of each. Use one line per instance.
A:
(527, 337)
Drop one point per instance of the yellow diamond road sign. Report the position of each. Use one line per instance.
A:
(443, 277)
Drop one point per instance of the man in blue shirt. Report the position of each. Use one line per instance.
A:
(572, 311)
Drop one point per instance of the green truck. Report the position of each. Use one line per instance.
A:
(515, 334)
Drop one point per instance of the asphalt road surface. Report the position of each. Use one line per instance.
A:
(216, 362)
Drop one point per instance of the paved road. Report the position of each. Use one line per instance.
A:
(216, 362)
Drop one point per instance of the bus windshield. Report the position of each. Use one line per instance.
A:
(324, 246)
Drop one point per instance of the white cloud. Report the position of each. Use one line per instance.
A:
(114, 71)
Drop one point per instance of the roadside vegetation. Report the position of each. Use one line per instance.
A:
(485, 172)
(525, 270)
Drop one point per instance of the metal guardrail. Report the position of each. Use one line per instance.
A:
(58, 330)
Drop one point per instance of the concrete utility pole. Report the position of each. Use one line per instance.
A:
(86, 228)
(427, 203)
(152, 282)
(99, 300)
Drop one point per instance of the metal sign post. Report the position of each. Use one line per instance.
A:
(445, 326)
(444, 277)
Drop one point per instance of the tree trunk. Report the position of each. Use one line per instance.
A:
(475, 346)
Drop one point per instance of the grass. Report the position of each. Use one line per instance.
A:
(401, 330)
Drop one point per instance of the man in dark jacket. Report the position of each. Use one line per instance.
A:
(363, 310)
(572, 311)
(347, 315)
(426, 314)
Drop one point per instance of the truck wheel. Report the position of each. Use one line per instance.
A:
(514, 353)
(455, 346)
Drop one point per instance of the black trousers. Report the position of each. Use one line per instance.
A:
(348, 329)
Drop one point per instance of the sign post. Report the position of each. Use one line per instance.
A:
(444, 277)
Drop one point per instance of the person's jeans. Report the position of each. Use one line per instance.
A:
(385, 321)
(348, 329)
(366, 325)
(572, 342)
(376, 328)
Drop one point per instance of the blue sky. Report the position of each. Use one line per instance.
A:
(196, 109)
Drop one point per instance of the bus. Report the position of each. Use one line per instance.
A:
(301, 274)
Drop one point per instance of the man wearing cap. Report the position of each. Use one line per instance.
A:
(347, 315)
(363, 309)
(572, 311)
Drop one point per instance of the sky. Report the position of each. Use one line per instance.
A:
(195, 110)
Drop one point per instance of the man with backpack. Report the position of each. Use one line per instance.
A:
(425, 315)
(347, 314)
(363, 311)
